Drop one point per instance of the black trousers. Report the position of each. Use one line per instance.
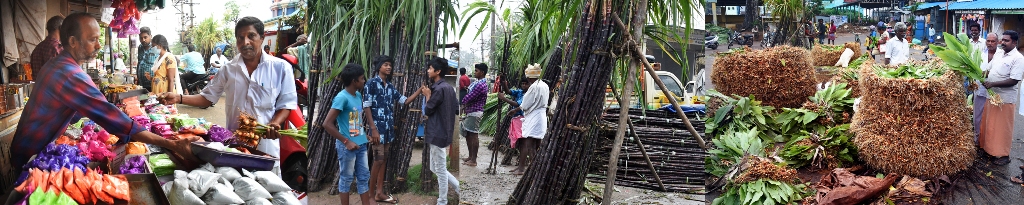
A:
(189, 78)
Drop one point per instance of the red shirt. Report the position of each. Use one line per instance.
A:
(43, 52)
(463, 82)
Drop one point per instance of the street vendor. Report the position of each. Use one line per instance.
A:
(898, 48)
(65, 93)
(254, 82)
(1003, 78)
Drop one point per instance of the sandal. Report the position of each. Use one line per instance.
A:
(389, 200)
(1017, 179)
(469, 164)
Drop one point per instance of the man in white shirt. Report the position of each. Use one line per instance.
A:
(991, 54)
(931, 33)
(898, 49)
(254, 82)
(535, 121)
(997, 119)
(217, 60)
(976, 41)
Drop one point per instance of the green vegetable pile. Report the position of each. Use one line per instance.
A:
(746, 160)
(832, 47)
(492, 114)
(913, 70)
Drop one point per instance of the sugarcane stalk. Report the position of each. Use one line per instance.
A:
(638, 54)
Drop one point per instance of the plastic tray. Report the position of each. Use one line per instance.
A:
(145, 189)
(220, 158)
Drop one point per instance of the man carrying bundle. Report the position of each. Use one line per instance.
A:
(997, 118)
(989, 56)
(898, 49)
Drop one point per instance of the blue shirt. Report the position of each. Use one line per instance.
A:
(350, 120)
(381, 99)
(147, 57)
(517, 95)
(194, 62)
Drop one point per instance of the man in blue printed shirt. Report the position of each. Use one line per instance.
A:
(147, 56)
(379, 100)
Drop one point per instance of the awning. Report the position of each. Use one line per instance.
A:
(987, 5)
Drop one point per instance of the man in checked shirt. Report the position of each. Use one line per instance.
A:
(474, 102)
(65, 93)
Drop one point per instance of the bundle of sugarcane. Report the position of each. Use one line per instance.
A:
(556, 175)
(654, 118)
(903, 110)
(675, 155)
(779, 76)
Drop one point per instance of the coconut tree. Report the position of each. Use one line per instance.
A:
(789, 13)
(353, 31)
(208, 34)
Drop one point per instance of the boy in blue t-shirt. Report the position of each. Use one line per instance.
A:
(347, 109)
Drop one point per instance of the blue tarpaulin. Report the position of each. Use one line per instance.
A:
(987, 5)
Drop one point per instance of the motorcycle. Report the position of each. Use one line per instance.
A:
(769, 38)
(711, 42)
(740, 39)
(198, 85)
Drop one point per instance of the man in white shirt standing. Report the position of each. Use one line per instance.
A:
(217, 60)
(989, 55)
(254, 82)
(535, 121)
(976, 40)
(997, 120)
(898, 49)
(931, 33)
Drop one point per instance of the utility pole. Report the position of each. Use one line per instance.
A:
(493, 16)
(186, 19)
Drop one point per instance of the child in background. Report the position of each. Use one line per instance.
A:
(347, 111)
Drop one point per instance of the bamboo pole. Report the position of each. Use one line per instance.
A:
(639, 54)
(613, 163)
(618, 138)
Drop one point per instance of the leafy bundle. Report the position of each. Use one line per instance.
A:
(764, 191)
(964, 59)
(731, 148)
(831, 47)
(821, 148)
(913, 69)
(738, 114)
(960, 56)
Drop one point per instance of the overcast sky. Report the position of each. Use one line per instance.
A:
(166, 21)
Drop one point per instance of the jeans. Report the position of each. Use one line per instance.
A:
(438, 165)
(353, 164)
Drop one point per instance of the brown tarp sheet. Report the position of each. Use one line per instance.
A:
(843, 187)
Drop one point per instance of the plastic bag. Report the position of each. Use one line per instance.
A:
(207, 167)
(161, 164)
(258, 201)
(271, 181)
(228, 173)
(64, 199)
(844, 59)
(227, 183)
(180, 195)
(285, 198)
(167, 187)
(248, 189)
(222, 194)
(200, 181)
